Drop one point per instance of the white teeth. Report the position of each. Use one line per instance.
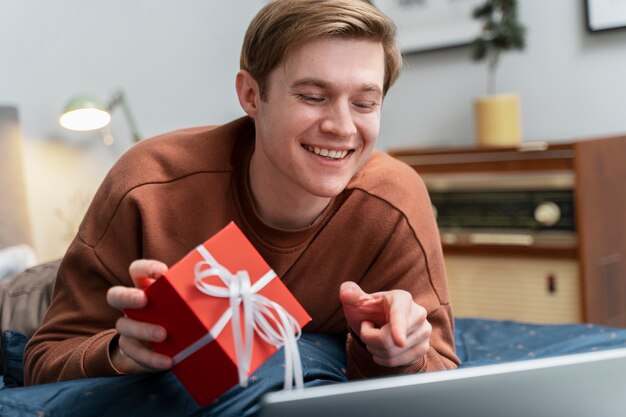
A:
(326, 152)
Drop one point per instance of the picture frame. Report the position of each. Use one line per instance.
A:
(603, 15)
(426, 25)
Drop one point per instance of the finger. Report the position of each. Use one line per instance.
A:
(376, 339)
(403, 357)
(368, 329)
(351, 294)
(143, 355)
(123, 297)
(123, 363)
(144, 332)
(145, 271)
(384, 351)
(380, 344)
(400, 306)
(417, 318)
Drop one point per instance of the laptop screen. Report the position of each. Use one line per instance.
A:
(578, 385)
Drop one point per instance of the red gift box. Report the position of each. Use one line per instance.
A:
(192, 300)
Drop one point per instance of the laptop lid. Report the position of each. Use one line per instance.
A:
(578, 385)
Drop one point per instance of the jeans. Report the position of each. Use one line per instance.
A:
(323, 362)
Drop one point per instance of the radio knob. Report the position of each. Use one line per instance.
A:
(547, 213)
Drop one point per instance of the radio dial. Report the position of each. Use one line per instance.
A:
(547, 213)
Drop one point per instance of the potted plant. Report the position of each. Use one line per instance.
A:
(497, 115)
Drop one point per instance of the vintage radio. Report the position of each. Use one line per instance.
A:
(536, 233)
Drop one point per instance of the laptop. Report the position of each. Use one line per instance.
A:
(577, 385)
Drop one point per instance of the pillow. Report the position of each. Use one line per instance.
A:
(26, 297)
(16, 259)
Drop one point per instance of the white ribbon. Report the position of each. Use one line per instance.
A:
(267, 318)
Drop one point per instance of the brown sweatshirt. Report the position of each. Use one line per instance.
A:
(170, 193)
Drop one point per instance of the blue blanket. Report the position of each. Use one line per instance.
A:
(478, 342)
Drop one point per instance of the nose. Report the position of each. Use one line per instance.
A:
(338, 120)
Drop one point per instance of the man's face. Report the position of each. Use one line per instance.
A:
(321, 116)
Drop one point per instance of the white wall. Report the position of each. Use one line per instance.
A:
(572, 83)
(177, 60)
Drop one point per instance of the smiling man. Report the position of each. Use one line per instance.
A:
(348, 229)
(316, 126)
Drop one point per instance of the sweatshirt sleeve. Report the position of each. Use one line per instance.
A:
(73, 341)
(75, 337)
(415, 266)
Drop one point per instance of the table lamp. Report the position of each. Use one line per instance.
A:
(84, 113)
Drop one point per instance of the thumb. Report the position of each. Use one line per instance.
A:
(145, 271)
(351, 294)
(359, 306)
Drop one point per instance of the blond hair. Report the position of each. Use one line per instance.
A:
(283, 25)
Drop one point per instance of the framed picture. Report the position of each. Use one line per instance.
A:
(605, 14)
(432, 24)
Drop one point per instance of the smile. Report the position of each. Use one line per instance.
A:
(328, 153)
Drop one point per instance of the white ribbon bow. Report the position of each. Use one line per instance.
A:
(267, 318)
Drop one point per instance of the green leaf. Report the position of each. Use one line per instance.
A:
(479, 49)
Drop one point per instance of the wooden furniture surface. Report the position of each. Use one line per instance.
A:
(597, 168)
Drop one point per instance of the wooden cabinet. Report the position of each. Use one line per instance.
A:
(511, 252)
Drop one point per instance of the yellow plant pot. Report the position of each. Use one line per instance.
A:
(498, 121)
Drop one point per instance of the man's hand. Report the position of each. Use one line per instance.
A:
(392, 326)
(132, 354)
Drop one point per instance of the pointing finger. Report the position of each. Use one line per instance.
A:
(399, 304)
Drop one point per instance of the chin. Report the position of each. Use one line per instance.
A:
(329, 191)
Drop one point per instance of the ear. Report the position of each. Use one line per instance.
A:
(247, 92)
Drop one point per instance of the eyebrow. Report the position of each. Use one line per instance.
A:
(316, 82)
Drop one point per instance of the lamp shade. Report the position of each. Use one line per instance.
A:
(84, 113)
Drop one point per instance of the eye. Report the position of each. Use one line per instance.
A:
(366, 105)
(310, 98)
